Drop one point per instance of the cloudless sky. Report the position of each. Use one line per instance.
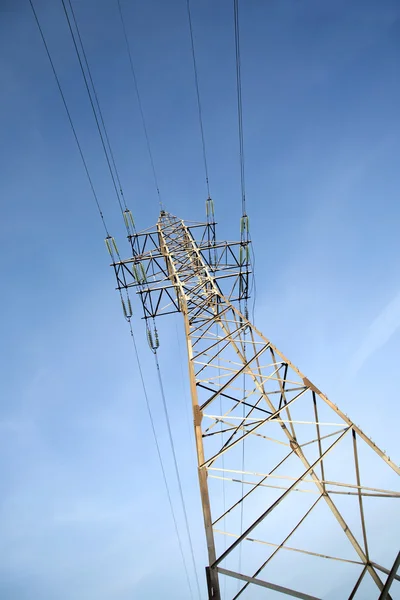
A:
(83, 513)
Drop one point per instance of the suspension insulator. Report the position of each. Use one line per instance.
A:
(129, 306)
(128, 218)
(135, 273)
(139, 273)
(143, 273)
(243, 254)
(150, 340)
(108, 245)
(124, 308)
(115, 245)
(210, 208)
(157, 345)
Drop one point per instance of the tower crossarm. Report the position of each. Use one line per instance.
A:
(147, 273)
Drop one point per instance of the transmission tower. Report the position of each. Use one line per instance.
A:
(292, 490)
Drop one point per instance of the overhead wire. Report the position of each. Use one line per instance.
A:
(243, 456)
(178, 477)
(223, 455)
(94, 111)
(247, 238)
(239, 103)
(160, 456)
(253, 288)
(69, 117)
(144, 125)
(130, 324)
(96, 98)
(200, 113)
(154, 344)
(115, 178)
(244, 228)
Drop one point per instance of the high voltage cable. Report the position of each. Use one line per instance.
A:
(223, 455)
(69, 116)
(243, 453)
(96, 98)
(244, 215)
(238, 74)
(132, 68)
(160, 456)
(176, 468)
(196, 79)
(93, 109)
(253, 289)
(239, 103)
(131, 330)
(245, 235)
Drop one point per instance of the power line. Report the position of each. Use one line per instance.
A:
(245, 237)
(244, 228)
(243, 455)
(239, 103)
(130, 325)
(253, 289)
(160, 456)
(132, 68)
(96, 98)
(93, 108)
(176, 467)
(223, 455)
(69, 117)
(196, 79)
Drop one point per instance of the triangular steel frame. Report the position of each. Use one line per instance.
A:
(246, 393)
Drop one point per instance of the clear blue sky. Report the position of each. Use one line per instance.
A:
(83, 513)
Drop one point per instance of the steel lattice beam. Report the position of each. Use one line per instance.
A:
(248, 397)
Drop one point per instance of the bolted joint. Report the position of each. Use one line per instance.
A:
(212, 584)
(294, 445)
(197, 416)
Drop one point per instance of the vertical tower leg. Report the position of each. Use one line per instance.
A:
(212, 574)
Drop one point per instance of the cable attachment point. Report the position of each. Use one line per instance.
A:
(210, 209)
(111, 246)
(139, 273)
(129, 222)
(244, 254)
(150, 339)
(127, 308)
(154, 343)
(244, 224)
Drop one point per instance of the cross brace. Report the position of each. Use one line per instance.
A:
(268, 405)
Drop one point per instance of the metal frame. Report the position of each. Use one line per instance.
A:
(247, 394)
(152, 280)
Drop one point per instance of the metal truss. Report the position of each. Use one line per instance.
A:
(147, 270)
(291, 488)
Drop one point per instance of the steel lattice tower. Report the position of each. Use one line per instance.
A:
(311, 475)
